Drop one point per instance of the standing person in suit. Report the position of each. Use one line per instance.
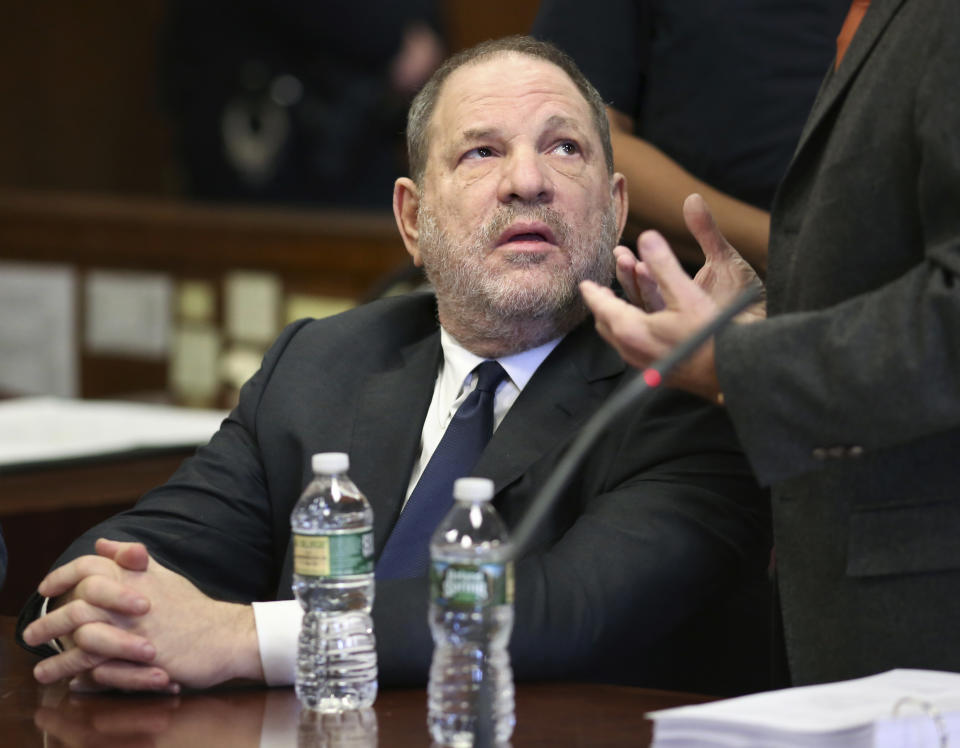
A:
(513, 200)
(847, 397)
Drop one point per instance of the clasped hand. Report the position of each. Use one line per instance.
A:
(128, 622)
(665, 306)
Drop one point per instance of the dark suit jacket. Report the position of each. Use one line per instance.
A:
(661, 521)
(848, 398)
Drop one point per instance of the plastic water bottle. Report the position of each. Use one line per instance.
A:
(470, 695)
(332, 526)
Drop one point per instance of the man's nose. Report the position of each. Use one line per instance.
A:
(525, 178)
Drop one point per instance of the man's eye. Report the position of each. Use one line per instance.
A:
(478, 152)
(567, 148)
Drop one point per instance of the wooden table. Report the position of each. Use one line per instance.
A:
(548, 714)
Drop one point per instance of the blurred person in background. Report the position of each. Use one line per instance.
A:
(295, 101)
(705, 96)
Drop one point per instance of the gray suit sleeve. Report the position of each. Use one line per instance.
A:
(880, 368)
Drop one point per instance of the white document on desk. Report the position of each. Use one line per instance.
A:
(898, 708)
(46, 429)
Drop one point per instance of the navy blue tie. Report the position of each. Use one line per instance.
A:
(407, 554)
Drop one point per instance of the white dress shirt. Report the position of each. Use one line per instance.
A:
(278, 622)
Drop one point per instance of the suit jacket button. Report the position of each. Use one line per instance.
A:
(819, 453)
(836, 452)
(855, 451)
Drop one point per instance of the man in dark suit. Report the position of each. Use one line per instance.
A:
(513, 201)
(847, 398)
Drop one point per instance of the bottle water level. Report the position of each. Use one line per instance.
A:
(458, 675)
(337, 660)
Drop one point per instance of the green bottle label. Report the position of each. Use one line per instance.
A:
(334, 555)
(460, 585)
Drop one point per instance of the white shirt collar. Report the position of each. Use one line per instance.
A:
(458, 362)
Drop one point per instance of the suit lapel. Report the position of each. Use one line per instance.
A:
(389, 422)
(874, 23)
(567, 388)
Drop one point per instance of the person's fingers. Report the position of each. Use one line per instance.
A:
(66, 577)
(96, 643)
(65, 621)
(95, 576)
(604, 304)
(114, 642)
(131, 676)
(131, 556)
(84, 683)
(626, 261)
(635, 280)
(110, 594)
(65, 665)
(62, 621)
(676, 287)
(652, 301)
(622, 325)
(703, 226)
(598, 298)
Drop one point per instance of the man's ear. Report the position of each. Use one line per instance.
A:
(618, 192)
(406, 210)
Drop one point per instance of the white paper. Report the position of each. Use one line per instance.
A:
(38, 351)
(41, 429)
(128, 314)
(195, 361)
(842, 713)
(252, 306)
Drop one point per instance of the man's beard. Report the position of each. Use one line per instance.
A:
(502, 304)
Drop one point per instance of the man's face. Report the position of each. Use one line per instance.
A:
(516, 205)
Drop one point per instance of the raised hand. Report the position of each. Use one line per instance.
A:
(723, 275)
(642, 337)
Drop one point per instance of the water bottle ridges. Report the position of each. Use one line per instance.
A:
(471, 615)
(333, 580)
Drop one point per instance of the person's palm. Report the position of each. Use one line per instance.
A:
(724, 274)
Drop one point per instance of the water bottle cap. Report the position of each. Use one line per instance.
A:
(328, 463)
(473, 489)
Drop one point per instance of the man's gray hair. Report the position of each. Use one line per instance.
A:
(421, 110)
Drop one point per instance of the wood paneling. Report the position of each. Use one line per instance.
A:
(82, 106)
(326, 254)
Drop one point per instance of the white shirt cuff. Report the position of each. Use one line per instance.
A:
(278, 629)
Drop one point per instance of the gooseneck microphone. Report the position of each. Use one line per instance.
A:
(640, 388)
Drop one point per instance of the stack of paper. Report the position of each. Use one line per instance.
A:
(899, 708)
(42, 429)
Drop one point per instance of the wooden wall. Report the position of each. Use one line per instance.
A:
(80, 103)
(78, 82)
